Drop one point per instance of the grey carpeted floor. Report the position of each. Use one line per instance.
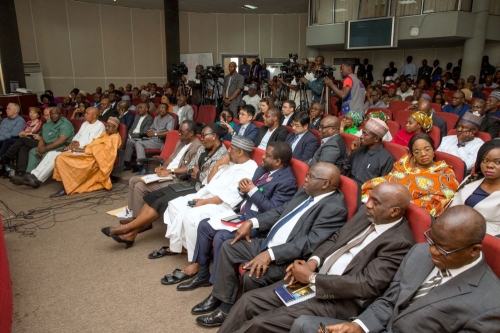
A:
(68, 277)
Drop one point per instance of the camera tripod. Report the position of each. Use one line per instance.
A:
(304, 100)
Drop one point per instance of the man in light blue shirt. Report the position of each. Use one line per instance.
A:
(457, 105)
(13, 124)
(409, 69)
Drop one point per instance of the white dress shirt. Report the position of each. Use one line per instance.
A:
(177, 159)
(265, 139)
(137, 129)
(468, 153)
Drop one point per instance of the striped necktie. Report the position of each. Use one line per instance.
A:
(435, 281)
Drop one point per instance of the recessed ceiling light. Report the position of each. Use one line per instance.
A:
(248, 7)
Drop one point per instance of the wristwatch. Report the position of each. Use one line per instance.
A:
(156, 134)
(312, 278)
(172, 171)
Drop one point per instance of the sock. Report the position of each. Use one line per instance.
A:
(203, 272)
(225, 307)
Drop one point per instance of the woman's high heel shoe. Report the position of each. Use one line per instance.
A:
(106, 231)
(123, 241)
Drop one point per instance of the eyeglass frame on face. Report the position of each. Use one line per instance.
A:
(427, 151)
(308, 176)
(204, 135)
(321, 127)
(439, 248)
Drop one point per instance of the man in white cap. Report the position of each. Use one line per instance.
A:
(252, 98)
(369, 159)
(464, 145)
(492, 104)
(145, 99)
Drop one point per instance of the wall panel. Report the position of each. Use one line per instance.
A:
(252, 33)
(26, 31)
(184, 32)
(233, 42)
(285, 35)
(147, 42)
(266, 31)
(203, 34)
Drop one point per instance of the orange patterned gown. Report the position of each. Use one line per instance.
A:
(430, 189)
(81, 173)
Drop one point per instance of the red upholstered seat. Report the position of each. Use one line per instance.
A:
(257, 155)
(491, 250)
(435, 134)
(352, 195)
(300, 169)
(316, 134)
(289, 129)
(420, 221)
(396, 106)
(349, 139)
(437, 107)
(482, 135)
(395, 149)
(206, 114)
(393, 127)
(258, 123)
(77, 123)
(456, 163)
(169, 147)
(195, 109)
(176, 120)
(450, 118)
(402, 116)
(227, 143)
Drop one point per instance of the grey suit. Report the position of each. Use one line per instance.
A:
(333, 151)
(468, 302)
(339, 296)
(130, 146)
(313, 227)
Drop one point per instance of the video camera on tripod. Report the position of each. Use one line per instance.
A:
(327, 71)
(210, 73)
(290, 69)
(180, 69)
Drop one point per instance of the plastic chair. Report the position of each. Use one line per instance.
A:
(485, 136)
(300, 169)
(397, 106)
(352, 195)
(393, 127)
(450, 118)
(395, 149)
(419, 220)
(206, 114)
(457, 164)
(491, 250)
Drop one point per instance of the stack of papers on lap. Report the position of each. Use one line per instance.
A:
(154, 178)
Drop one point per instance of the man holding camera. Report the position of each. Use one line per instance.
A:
(233, 86)
(195, 85)
(353, 91)
(317, 86)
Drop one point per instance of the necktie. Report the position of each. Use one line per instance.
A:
(330, 261)
(242, 131)
(431, 284)
(283, 221)
(461, 144)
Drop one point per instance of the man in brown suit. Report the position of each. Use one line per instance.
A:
(176, 164)
(380, 237)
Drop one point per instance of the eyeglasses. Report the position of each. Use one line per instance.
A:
(321, 127)
(183, 132)
(309, 176)
(204, 135)
(439, 248)
(426, 151)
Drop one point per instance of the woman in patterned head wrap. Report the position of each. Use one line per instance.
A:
(377, 115)
(418, 122)
(351, 122)
(431, 183)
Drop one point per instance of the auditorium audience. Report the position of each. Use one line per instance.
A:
(489, 124)
(183, 110)
(272, 130)
(464, 144)
(303, 143)
(404, 90)
(492, 104)
(377, 115)
(252, 98)
(106, 111)
(431, 183)
(434, 290)
(156, 202)
(124, 115)
(287, 112)
(140, 129)
(316, 211)
(373, 100)
(316, 114)
(333, 148)
(146, 100)
(425, 106)
(391, 95)
(368, 158)
(90, 171)
(418, 122)
(457, 105)
(361, 272)
(13, 124)
(350, 123)
(245, 127)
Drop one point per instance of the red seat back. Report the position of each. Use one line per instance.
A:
(420, 221)
(152, 114)
(195, 113)
(395, 149)
(435, 134)
(402, 116)
(300, 169)
(482, 135)
(334, 109)
(316, 134)
(136, 101)
(349, 139)
(429, 92)
(68, 112)
(77, 123)
(393, 127)
(398, 105)
(450, 118)
(352, 197)
(206, 114)
(456, 163)
(491, 250)
(176, 120)
(486, 94)
(388, 112)
(289, 129)
(257, 123)
(437, 107)
(26, 117)
(170, 143)
(226, 143)
(156, 100)
(257, 155)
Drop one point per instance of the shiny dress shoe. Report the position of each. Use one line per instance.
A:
(17, 180)
(106, 231)
(209, 304)
(58, 194)
(31, 180)
(194, 283)
(214, 319)
(117, 239)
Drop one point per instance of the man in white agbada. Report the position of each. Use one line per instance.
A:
(219, 193)
(90, 130)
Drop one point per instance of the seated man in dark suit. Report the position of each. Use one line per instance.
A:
(126, 117)
(368, 158)
(141, 125)
(106, 110)
(356, 264)
(444, 286)
(272, 185)
(245, 127)
(306, 221)
(489, 124)
(304, 144)
(287, 111)
(272, 130)
(316, 114)
(333, 148)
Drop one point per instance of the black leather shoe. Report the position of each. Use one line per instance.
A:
(58, 194)
(209, 304)
(31, 180)
(214, 319)
(193, 284)
(16, 180)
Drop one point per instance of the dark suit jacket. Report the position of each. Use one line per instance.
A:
(424, 71)
(313, 227)
(333, 151)
(490, 125)
(369, 74)
(468, 302)
(108, 113)
(250, 132)
(389, 72)
(280, 133)
(369, 272)
(305, 148)
(315, 124)
(441, 123)
(288, 123)
(128, 120)
(436, 74)
(146, 124)
(280, 189)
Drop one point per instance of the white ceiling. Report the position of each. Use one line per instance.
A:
(216, 6)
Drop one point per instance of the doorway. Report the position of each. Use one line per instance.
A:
(238, 59)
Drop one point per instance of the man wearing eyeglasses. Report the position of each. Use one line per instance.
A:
(457, 105)
(444, 286)
(333, 148)
(374, 101)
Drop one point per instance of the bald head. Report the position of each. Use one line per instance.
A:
(331, 121)
(379, 210)
(463, 225)
(323, 178)
(424, 105)
(123, 105)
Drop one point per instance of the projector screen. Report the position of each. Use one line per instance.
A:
(369, 34)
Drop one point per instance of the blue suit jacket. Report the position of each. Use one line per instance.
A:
(250, 132)
(280, 189)
(305, 148)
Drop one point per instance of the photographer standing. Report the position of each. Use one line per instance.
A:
(316, 86)
(196, 94)
(353, 91)
(233, 86)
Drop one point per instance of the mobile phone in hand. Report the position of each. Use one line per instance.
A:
(322, 328)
